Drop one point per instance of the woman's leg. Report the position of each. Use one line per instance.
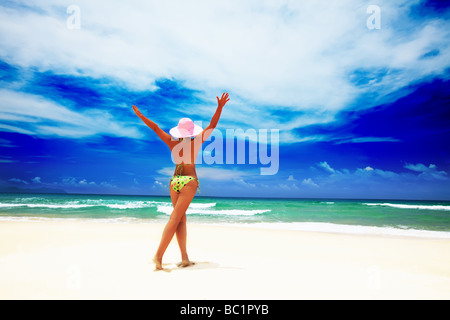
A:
(185, 197)
(182, 239)
(181, 231)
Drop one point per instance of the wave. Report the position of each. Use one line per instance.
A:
(77, 205)
(50, 206)
(121, 205)
(411, 206)
(118, 220)
(202, 211)
(202, 205)
(70, 206)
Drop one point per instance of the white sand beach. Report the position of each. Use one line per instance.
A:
(99, 260)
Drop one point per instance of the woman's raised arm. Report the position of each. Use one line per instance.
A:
(163, 135)
(215, 119)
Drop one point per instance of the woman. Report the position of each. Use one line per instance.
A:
(184, 182)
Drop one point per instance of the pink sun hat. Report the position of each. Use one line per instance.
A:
(186, 128)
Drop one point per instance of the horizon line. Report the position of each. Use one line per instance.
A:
(228, 197)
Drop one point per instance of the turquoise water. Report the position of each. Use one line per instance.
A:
(361, 216)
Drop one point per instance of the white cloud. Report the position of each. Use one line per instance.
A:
(431, 172)
(369, 173)
(6, 161)
(36, 180)
(417, 167)
(69, 181)
(357, 174)
(243, 183)
(45, 117)
(158, 185)
(18, 180)
(297, 55)
(367, 139)
(6, 127)
(284, 187)
(326, 166)
(73, 183)
(291, 178)
(310, 183)
(6, 143)
(106, 184)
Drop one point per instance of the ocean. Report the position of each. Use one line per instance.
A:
(384, 217)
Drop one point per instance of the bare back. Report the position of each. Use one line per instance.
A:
(185, 152)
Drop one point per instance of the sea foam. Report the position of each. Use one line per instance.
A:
(411, 206)
(203, 210)
(121, 205)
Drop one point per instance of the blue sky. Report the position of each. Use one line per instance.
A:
(361, 113)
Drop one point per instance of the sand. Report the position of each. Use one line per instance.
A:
(100, 260)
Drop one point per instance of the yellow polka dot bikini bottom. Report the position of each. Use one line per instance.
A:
(178, 182)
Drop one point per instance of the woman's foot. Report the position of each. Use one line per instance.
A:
(158, 263)
(185, 263)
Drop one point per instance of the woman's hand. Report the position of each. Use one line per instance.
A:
(138, 113)
(222, 101)
(164, 136)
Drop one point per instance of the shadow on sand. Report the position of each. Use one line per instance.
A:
(197, 265)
